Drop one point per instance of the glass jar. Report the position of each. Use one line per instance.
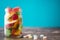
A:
(12, 22)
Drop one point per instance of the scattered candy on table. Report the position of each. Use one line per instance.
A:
(45, 38)
(35, 37)
(41, 35)
(28, 36)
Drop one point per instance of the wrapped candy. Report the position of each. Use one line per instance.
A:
(28, 36)
(13, 22)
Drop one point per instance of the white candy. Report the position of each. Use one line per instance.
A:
(41, 35)
(45, 38)
(35, 37)
(28, 36)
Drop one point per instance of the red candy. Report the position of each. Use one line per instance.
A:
(9, 9)
(9, 25)
(13, 31)
(15, 16)
(15, 9)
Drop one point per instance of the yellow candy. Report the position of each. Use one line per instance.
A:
(20, 27)
(30, 36)
(17, 32)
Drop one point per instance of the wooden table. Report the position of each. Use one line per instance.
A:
(51, 33)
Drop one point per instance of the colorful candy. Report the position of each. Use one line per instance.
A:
(13, 21)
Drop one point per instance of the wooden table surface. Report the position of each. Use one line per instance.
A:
(51, 33)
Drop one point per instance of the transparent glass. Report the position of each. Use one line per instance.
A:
(12, 22)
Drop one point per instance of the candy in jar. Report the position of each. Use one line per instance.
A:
(12, 22)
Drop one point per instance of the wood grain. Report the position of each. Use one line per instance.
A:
(51, 33)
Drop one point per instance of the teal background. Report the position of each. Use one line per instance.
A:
(36, 13)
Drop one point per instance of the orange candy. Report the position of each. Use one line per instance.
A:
(13, 31)
(17, 32)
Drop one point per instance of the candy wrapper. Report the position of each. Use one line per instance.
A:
(12, 22)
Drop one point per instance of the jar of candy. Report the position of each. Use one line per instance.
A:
(12, 22)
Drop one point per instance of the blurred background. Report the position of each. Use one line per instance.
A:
(35, 13)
